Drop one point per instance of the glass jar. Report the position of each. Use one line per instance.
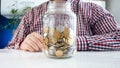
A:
(59, 30)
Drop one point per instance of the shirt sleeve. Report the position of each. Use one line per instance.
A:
(106, 35)
(31, 22)
(82, 43)
(20, 33)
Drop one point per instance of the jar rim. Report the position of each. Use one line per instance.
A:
(63, 4)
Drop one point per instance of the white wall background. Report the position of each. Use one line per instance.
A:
(114, 8)
(5, 4)
(99, 2)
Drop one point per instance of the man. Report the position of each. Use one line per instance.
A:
(96, 29)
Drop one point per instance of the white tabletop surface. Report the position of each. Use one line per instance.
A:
(21, 59)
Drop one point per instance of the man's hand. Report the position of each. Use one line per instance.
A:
(33, 43)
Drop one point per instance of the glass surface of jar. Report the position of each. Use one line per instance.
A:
(59, 30)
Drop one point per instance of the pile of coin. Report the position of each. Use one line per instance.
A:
(60, 41)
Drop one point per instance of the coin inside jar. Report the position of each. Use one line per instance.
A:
(46, 29)
(45, 47)
(59, 53)
(57, 34)
(66, 32)
(46, 40)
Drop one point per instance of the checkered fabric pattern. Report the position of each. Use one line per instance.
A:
(96, 27)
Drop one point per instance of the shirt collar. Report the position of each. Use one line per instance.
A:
(73, 0)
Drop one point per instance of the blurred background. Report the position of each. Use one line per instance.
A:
(11, 11)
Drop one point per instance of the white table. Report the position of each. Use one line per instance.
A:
(22, 59)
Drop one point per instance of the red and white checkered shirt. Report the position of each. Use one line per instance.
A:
(96, 28)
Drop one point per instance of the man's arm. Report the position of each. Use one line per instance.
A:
(106, 35)
(27, 36)
(20, 33)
